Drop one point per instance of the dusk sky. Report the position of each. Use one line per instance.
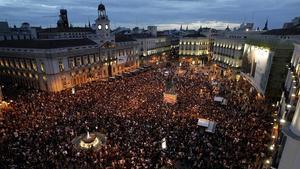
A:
(164, 13)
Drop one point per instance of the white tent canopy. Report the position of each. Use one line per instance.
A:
(209, 125)
(203, 122)
(218, 99)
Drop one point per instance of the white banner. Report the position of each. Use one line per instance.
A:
(122, 59)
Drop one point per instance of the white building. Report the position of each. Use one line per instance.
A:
(194, 46)
(55, 65)
(288, 152)
(228, 52)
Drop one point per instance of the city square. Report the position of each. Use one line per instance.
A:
(132, 114)
(179, 95)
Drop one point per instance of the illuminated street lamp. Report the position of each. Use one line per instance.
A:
(272, 147)
(282, 121)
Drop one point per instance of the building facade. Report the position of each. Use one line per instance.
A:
(58, 64)
(288, 143)
(194, 48)
(228, 52)
(25, 32)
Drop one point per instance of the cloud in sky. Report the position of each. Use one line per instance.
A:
(164, 13)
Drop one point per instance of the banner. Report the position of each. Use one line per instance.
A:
(122, 59)
(170, 98)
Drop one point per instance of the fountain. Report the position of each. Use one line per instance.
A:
(89, 141)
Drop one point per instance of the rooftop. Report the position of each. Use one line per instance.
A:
(46, 44)
(291, 31)
(74, 29)
(124, 38)
(195, 36)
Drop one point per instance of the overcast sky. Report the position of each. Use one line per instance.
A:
(164, 13)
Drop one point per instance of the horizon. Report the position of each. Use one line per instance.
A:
(166, 14)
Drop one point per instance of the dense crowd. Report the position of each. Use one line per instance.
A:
(130, 111)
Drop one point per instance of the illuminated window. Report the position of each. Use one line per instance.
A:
(85, 60)
(22, 64)
(42, 67)
(61, 66)
(97, 58)
(78, 61)
(91, 58)
(5, 63)
(71, 63)
(34, 65)
(44, 77)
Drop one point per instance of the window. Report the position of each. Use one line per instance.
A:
(42, 67)
(22, 64)
(33, 65)
(71, 63)
(85, 60)
(78, 61)
(91, 58)
(97, 58)
(1, 62)
(61, 66)
(28, 64)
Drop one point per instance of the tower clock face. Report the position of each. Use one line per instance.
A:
(106, 27)
(99, 27)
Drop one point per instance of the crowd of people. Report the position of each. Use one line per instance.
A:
(38, 131)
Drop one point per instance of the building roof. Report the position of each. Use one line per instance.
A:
(123, 38)
(291, 31)
(195, 36)
(73, 29)
(141, 35)
(46, 44)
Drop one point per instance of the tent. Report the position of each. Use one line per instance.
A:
(224, 102)
(203, 122)
(211, 127)
(218, 99)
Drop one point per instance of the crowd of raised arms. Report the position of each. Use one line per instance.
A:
(38, 131)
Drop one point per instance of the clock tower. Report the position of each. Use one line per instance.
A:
(103, 26)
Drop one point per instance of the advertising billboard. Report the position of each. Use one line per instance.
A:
(257, 62)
